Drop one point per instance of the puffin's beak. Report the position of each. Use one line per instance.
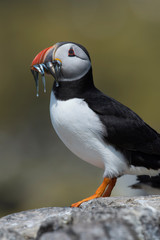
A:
(44, 62)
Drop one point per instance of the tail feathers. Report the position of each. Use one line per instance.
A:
(150, 185)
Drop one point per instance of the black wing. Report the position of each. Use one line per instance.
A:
(124, 128)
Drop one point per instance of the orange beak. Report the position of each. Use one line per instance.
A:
(40, 57)
(44, 62)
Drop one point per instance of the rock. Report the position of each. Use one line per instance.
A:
(27, 223)
(10, 234)
(121, 218)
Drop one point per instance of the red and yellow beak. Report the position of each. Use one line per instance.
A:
(46, 54)
(45, 62)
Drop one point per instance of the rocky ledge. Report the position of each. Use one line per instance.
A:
(120, 218)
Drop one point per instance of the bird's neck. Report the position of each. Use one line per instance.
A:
(74, 89)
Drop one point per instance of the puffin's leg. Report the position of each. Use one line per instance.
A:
(110, 187)
(100, 191)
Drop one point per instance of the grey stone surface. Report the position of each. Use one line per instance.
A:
(121, 218)
(6, 234)
(27, 223)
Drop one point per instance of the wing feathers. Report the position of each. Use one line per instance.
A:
(124, 128)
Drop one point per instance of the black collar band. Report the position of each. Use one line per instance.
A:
(74, 89)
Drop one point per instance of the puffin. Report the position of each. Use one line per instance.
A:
(97, 128)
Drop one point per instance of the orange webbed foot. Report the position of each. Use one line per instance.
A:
(108, 183)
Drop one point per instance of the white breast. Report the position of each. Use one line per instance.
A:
(80, 129)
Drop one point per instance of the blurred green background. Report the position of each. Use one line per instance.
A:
(123, 39)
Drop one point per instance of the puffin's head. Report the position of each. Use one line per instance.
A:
(65, 61)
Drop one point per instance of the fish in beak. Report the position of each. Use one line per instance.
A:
(45, 62)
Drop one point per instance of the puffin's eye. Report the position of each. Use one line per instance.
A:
(71, 52)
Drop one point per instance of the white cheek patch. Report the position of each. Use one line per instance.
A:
(75, 67)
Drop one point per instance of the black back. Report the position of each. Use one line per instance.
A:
(125, 130)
